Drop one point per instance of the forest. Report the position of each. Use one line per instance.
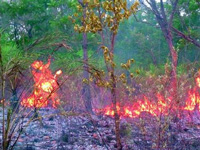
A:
(99, 75)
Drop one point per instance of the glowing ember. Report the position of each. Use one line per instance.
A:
(162, 106)
(45, 87)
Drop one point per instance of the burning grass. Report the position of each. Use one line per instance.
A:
(157, 104)
(151, 109)
(45, 86)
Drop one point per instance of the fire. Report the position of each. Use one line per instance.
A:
(198, 81)
(59, 72)
(193, 100)
(45, 86)
(158, 107)
(140, 106)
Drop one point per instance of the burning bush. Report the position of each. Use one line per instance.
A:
(45, 86)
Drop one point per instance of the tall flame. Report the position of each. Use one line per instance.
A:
(45, 86)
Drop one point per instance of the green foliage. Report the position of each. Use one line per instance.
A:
(140, 41)
(144, 42)
(12, 55)
(70, 59)
(9, 50)
(193, 5)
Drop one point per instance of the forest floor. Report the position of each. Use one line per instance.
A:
(59, 132)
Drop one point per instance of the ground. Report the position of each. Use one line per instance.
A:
(58, 132)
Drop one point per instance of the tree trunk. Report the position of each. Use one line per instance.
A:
(174, 56)
(86, 93)
(165, 26)
(114, 98)
(116, 114)
(86, 88)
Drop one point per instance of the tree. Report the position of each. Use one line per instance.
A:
(11, 66)
(98, 17)
(149, 44)
(86, 88)
(186, 21)
(165, 23)
(19, 19)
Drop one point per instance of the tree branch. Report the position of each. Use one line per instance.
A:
(173, 12)
(186, 37)
(163, 11)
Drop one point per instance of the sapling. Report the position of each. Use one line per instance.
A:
(96, 17)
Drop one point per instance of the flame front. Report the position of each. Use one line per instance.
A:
(161, 106)
(45, 87)
(140, 106)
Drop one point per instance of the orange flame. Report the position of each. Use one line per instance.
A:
(161, 107)
(44, 86)
(193, 100)
(140, 106)
(198, 81)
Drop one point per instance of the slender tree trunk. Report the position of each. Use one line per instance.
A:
(174, 56)
(165, 26)
(86, 93)
(114, 98)
(86, 88)
(116, 114)
(113, 88)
